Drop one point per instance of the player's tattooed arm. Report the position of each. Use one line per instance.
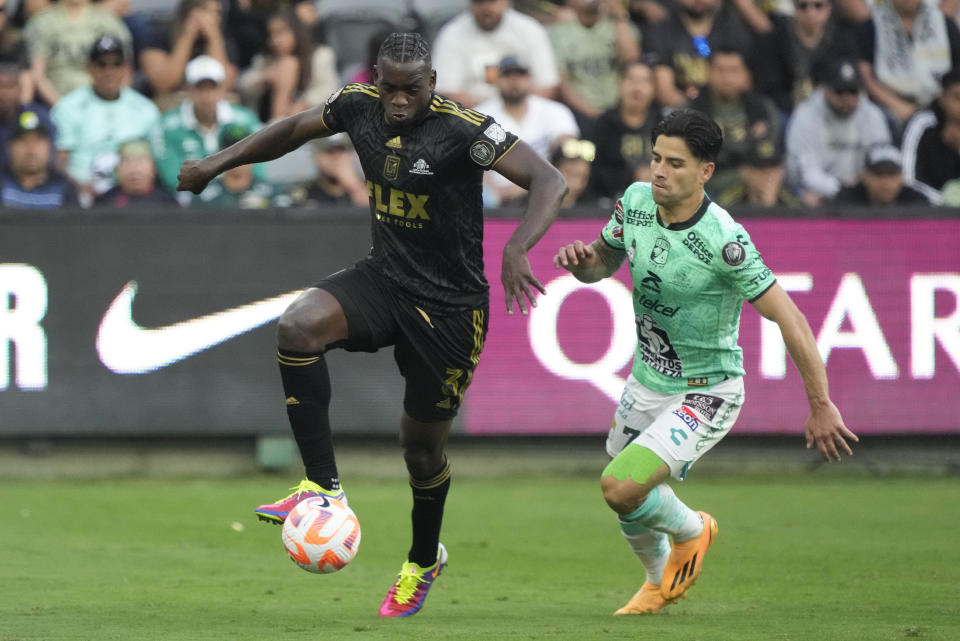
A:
(589, 263)
(273, 141)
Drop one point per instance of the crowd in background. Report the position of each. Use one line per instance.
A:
(820, 101)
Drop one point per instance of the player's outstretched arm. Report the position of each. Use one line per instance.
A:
(546, 187)
(589, 263)
(825, 427)
(273, 141)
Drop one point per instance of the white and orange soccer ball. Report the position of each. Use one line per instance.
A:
(321, 534)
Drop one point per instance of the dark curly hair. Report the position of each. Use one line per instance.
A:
(702, 135)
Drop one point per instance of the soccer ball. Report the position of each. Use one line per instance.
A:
(321, 534)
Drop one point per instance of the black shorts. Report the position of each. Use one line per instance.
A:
(436, 353)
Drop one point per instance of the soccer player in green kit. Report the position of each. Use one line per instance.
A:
(692, 267)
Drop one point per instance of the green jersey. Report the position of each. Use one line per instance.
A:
(689, 283)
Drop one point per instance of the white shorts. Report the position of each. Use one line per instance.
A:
(679, 428)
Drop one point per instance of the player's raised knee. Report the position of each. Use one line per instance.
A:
(311, 322)
(624, 496)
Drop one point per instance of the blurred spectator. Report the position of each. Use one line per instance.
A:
(92, 122)
(194, 31)
(136, 181)
(622, 134)
(754, 16)
(574, 159)
(854, 12)
(906, 46)
(797, 43)
(648, 14)
(26, 9)
(680, 47)
(292, 74)
(469, 47)
(28, 180)
(881, 181)
(246, 22)
(365, 73)
(60, 38)
(931, 141)
(240, 188)
(136, 22)
(12, 47)
(591, 50)
(828, 134)
(11, 107)
(192, 130)
(539, 121)
(750, 165)
(338, 180)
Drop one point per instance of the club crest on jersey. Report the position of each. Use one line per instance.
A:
(495, 133)
(733, 253)
(391, 168)
(660, 250)
(482, 153)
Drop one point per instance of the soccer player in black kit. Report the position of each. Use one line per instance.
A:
(421, 289)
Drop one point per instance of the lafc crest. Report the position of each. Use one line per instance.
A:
(391, 167)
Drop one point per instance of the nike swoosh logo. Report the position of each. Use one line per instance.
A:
(127, 348)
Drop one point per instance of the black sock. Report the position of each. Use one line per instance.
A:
(429, 497)
(306, 384)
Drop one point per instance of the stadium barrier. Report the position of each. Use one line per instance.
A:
(161, 324)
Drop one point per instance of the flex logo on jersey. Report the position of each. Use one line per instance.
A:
(661, 249)
(397, 203)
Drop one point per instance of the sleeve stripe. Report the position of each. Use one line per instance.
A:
(505, 152)
(765, 290)
(456, 112)
(359, 88)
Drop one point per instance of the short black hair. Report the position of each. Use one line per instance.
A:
(407, 46)
(702, 135)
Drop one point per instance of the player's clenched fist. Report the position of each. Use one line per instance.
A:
(573, 254)
(193, 176)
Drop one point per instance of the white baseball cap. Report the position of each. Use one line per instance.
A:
(205, 68)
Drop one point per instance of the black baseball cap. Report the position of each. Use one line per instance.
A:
(513, 64)
(29, 121)
(843, 76)
(106, 45)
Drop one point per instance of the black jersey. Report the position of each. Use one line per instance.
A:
(425, 186)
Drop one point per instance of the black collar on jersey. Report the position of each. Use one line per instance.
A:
(690, 222)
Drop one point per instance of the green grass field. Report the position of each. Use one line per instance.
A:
(802, 558)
